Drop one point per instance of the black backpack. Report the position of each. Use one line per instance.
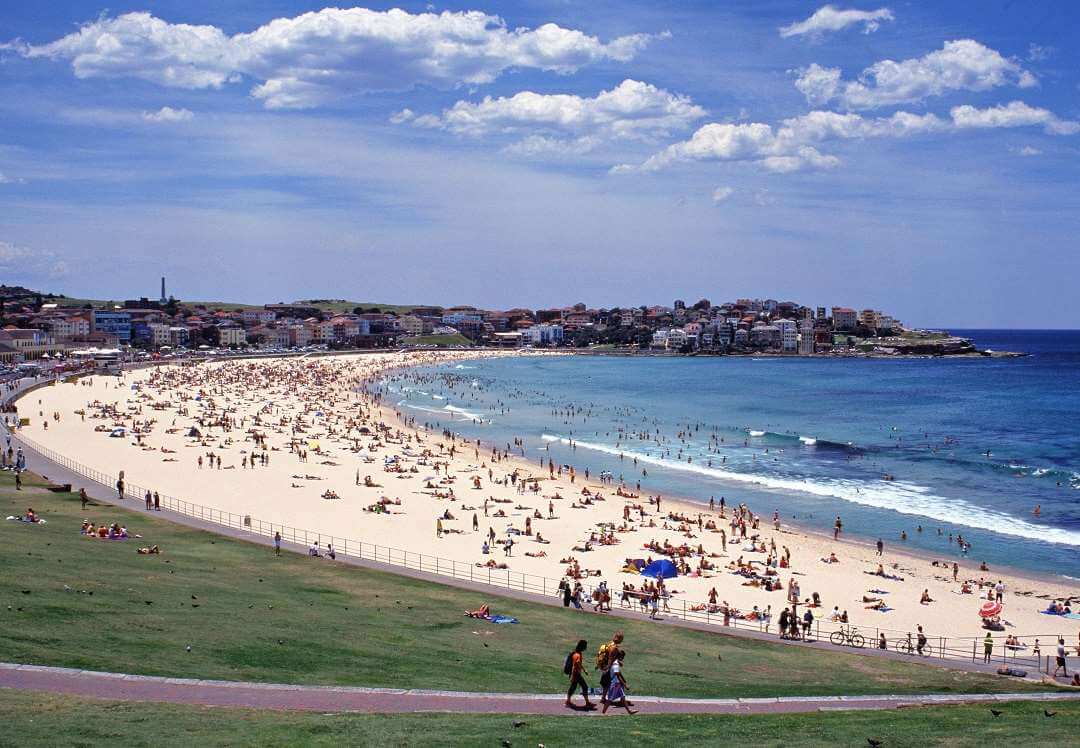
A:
(568, 666)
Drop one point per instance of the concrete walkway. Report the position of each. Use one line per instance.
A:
(119, 686)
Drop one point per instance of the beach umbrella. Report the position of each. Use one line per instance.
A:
(990, 609)
(660, 569)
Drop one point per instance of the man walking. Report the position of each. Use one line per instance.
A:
(1059, 663)
(277, 543)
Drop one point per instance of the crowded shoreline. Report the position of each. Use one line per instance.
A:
(344, 481)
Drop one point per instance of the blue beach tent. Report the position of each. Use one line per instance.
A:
(660, 569)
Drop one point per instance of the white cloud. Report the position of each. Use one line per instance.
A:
(960, 65)
(1038, 53)
(1013, 114)
(793, 144)
(540, 146)
(23, 264)
(829, 18)
(5, 179)
(168, 114)
(402, 116)
(1028, 150)
(720, 194)
(631, 110)
(315, 57)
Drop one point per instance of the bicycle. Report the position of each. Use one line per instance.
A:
(905, 646)
(849, 636)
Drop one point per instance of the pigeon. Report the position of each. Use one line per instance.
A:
(194, 598)
(996, 712)
(188, 648)
(873, 742)
(148, 602)
(520, 723)
(506, 743)
(1049, 714)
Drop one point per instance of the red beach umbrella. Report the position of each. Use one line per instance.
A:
(990, 609)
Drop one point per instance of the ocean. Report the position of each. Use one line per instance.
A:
(936, 448)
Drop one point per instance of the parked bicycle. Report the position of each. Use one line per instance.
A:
(905, 646)
(849, 635)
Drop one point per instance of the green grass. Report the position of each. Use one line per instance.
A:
(31, 719)
(251, 616)
(441, 340)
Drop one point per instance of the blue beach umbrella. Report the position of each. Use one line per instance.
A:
(660, 569)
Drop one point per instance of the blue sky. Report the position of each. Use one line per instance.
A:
(921, 158)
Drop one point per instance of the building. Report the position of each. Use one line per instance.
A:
(806, 336)
(542, 335)
(231, 335)
(20, 344)
(257, 316)
(412, 325)
(112, 322)
(844, 318)
(789, 335)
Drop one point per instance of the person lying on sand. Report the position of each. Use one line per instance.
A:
(151, 551)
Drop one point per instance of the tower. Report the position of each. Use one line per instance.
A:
(163, 298)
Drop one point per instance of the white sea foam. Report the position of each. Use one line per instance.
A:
(463, 413)
(757, 433)
(898, 496)
(808, 440)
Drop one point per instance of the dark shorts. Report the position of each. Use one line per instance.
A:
(1060, 661)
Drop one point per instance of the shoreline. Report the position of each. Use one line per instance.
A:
(806, 543)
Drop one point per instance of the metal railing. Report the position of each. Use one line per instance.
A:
(956, 648)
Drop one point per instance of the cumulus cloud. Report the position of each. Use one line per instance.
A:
(168, 114)
(1028, 150)
(720, 194)
(1013, 114)
(566, 123)
(793, 144)
(315, 57)
(830, 18)
(960, 65)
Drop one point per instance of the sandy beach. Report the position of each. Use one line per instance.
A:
(297, 441)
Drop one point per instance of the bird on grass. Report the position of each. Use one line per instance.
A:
(996, 712)
(1049, 714)
(874, 743)
(520, 723)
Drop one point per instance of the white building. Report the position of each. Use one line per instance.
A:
(542, 335)
(231, 336)
(257, 316)
(806, 336)
(789, 334)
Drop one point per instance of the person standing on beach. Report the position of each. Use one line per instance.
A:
(149, 501)
(880, 546)
(438, 527)
(120, 488)
(837, 527)
(277, 543)
(574, 667)
(999, 591)
(955, 570)
(157, 502)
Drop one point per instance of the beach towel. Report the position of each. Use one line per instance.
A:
(1072, 615)
(502, 619)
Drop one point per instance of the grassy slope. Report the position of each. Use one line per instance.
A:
(46, 720)
(251, 616)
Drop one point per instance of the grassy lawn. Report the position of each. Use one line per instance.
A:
(32, 719)
(250, 616)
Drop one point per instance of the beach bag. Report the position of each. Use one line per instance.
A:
(602, 656)
(568, 666)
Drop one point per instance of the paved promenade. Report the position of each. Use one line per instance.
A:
(118, 686)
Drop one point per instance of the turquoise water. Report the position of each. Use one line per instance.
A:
(889, 445)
